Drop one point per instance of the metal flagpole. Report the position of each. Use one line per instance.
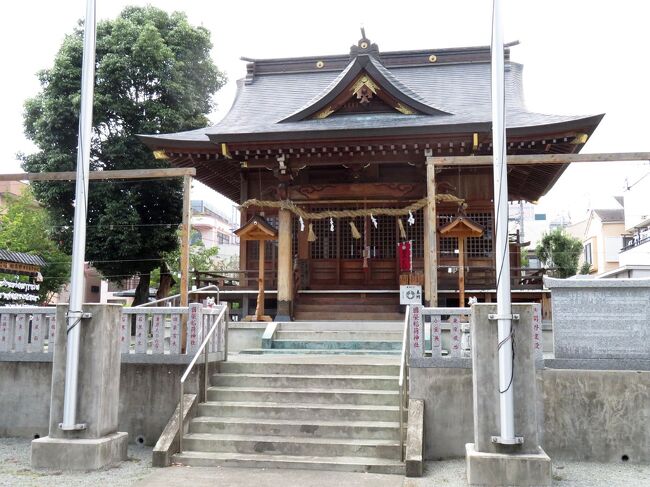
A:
(504, 309)
(80, 214)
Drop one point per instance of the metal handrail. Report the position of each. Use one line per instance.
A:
(403, 393)
(223, 315)
(174, 296)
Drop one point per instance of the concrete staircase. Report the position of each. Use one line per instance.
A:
(336, 412)
(332, 337)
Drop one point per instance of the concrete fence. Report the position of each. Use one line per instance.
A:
(152, 334)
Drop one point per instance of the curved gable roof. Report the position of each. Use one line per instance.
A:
(379, 74)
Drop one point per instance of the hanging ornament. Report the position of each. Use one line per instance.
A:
(311, 237)
(373, 220)
(402, 231)
(302, 224)
(355, 233)
(411, 219)
(331, 224)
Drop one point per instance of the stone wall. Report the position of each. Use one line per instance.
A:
(598, 415)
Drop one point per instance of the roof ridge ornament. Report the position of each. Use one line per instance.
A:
(364, 46)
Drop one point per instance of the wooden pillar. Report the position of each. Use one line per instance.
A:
(461, 271)
(430, 244)
(285, 266)
(185, 241)
(259, 311)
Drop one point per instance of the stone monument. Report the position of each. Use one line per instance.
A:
(99, 444)
(490, 463)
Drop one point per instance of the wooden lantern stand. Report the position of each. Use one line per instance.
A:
(257, 228)
(461, 227)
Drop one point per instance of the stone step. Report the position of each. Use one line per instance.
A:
(309, 428)
(338, 335)
(348, 316)
(347, 464)
(337, 344)
(303, 351)
(290, 445)
(299, 411)
(304, 395)
(279, 365)
(360, 325)
(385, 382)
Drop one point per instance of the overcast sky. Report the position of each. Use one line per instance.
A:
(581, 57)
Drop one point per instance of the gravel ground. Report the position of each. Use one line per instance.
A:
(15, 469)
(451, 473)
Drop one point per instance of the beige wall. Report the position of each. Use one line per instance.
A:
(605, 240)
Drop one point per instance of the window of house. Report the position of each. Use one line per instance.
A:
(588, 256)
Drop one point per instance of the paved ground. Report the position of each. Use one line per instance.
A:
(15, 471)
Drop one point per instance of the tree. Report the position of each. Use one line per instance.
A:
(153, 75)
(25, 227)
(560, 251)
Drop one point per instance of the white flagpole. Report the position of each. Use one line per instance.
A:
(80, 214)
(504, 312)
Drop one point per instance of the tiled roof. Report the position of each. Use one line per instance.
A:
(460, 91)
(21, 258)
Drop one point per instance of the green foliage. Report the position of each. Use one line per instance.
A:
(25, 227)
(560, 251)
(585, 268)
(154, 74)
(201, 258)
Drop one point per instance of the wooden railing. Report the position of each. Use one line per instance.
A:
(235, 279)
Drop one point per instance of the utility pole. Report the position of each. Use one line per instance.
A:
(75, 313)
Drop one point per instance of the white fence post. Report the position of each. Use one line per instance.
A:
(436, 336)
(454, 339)
(51, 333)
(538, 345)
(20, 337)
(36, 344)
(175, 335)
(5, 333)
(158, 334)
(416, 332)
(125, 332)
(141, 333)
(194, 328)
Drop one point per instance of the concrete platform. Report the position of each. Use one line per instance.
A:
(499, 469)
(81, 454)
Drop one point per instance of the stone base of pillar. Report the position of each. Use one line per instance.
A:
(79, 454)
(284, 311)
(516, 469)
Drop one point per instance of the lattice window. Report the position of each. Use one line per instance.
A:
(383, 239)
(295, 232)
(481, 246)
(447, 246)
(350, 248)
(415, 233)
(475, 246)
(325, 246)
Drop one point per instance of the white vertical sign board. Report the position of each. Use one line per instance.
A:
(454, 340)
(194, 328)
(125, 333)
(538, 346)
(141, 333)
(51, 334)
(20, 337)
(175, 335)
(158, 334)
(38, 323)
(416, 332)
(436, 336)
(5, 333)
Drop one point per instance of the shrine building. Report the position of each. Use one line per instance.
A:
(332, 152)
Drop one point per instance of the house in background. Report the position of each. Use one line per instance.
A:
(634, 256)
(215, 229)
(603, 239)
